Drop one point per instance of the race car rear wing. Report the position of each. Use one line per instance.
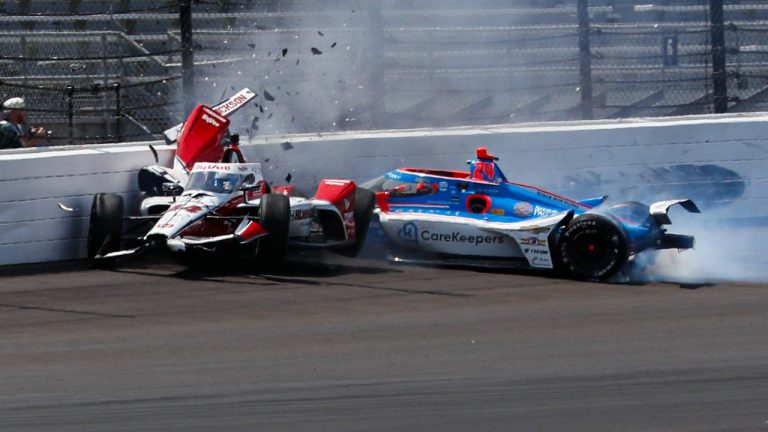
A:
(659, 210)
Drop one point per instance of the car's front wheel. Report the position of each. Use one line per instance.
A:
(593, 247)
(105, 227)
(274, 217)
(365, 201)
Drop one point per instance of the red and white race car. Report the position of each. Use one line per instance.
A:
(212, 201)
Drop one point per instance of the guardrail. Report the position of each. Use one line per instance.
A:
(719, 161)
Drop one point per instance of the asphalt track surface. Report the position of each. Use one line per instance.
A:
(360, 345)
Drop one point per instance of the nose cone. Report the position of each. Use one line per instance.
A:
(181, 215)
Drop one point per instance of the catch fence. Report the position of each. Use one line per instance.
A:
(98, 74)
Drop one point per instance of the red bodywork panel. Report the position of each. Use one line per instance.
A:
(341, 193)
(251, 231)
(336, 191)
(200, 139)
(208, 228)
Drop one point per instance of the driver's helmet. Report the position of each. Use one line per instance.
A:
(225, 182)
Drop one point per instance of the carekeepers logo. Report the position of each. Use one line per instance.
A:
(409, 232)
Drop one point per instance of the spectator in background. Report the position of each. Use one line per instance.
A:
(12, 133)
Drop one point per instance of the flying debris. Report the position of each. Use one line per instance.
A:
(268, 96)
(333, 45)
(320, 33)
(70, 209)
(316, 51)
(255, 123)
(252, 45)
(288, 178)
(286, 145)
(285, 51)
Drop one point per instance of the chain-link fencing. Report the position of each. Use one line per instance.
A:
(97, 71)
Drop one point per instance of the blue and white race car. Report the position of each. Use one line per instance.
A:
(479, 217)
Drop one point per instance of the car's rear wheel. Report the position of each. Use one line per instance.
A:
(593, 247)
(274, 217)
(365, 201)
(105, 227)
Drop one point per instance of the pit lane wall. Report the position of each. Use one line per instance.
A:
(720, 161)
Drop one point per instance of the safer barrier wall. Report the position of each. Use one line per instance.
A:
(721, 161)
(33, 228)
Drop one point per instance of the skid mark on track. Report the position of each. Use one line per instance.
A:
(69, 311)
(294, 280)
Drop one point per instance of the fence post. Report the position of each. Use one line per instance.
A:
(187, 55)
(585, 60)
(375, 63)
(719, 73)
(118, 112)
(70, 91)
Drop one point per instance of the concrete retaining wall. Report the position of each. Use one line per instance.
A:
(720, 161)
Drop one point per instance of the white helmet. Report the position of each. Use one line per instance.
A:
(14, 103)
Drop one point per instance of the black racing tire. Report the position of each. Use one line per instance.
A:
(593, 247)
(365, 201)
(275, 218)
(105, 228)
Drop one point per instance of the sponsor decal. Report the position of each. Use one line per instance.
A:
(535, 251)
(393, 175)
(555, 198)
(242, 169)
(543, 211)
(443, 186)
(210, 120)
(165, 225)
(534, 241)
(457, 237)
(409, 232)
(336, 182)
(212, 167)
(498, 212)
(302, 213)
(346, 204)
(523, 209)
(228, 106)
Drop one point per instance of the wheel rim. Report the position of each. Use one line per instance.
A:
(593, 252)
